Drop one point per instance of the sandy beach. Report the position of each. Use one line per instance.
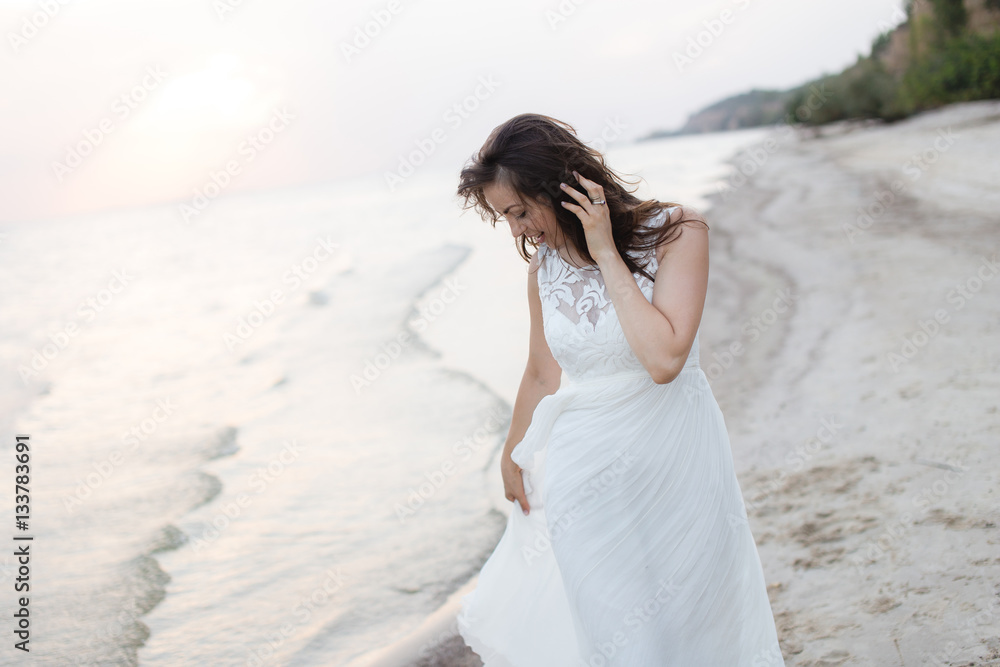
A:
(851, 338)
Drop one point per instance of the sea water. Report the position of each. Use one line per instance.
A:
(261, 434)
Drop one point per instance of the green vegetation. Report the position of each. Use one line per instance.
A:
(864, 90)
(950, 15)
(946, 61)
(965, 68)
(944, 51)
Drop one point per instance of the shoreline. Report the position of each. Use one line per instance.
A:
(865, 468)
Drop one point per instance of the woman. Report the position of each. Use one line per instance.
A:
(631, 545)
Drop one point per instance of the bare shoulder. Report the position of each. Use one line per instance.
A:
(693, 232)
(691, 216)
(533, 265)
(536, 260)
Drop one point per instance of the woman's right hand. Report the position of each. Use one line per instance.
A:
(513, 483)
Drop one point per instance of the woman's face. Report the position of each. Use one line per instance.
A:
(536, 221)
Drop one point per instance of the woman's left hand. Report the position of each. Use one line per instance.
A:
(596, 218)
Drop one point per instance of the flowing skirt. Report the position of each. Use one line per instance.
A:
(636, 550)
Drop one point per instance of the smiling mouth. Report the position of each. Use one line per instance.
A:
(537, 237)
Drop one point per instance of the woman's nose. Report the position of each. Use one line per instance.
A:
(516, 229)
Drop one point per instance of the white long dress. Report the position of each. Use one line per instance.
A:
(637, 550)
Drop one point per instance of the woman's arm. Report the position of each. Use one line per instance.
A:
(541, 378)
(661, 333)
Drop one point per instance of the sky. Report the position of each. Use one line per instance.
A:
(112, 104)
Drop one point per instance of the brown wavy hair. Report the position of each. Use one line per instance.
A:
(532, 154)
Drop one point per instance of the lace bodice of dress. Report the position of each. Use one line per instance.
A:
(579, 319)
